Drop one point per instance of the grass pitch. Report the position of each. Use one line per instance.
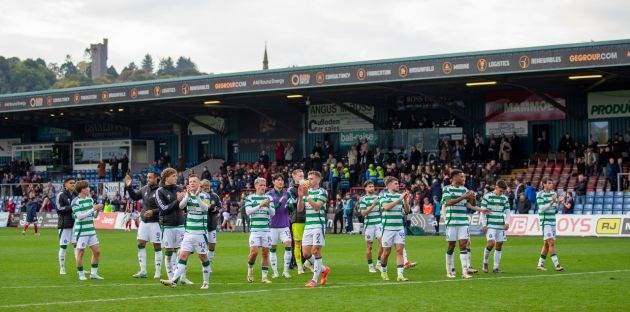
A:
(597, 278)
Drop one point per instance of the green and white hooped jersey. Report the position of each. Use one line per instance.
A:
(374, 217)
(315, 219)
(259, 220)
(83, 227)
(456, 215)
(197, 216)
(392, 219)
(498, 205)
(543, 200)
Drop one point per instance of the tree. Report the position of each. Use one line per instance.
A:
(186, 67)
(30, 75)
(111, 71)
(68, 68)
(147, 64)
(166, 68)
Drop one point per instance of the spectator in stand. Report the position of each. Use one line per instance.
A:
(124, 165)
(416, 205)
(566, 204)
(519, 195)
(263, 159)
(328, 149)
(612, 170)
(427, 207)
(279, 153)
(505, 153)
(318, 149)
(113, 163)
(437, 212)
(288, 153)
(580, 190)
(566, 144)
(100, 170)
(348, 212)
(530, 196)
(590, 162)
(205, 174)
(338, 211)
(46, 205)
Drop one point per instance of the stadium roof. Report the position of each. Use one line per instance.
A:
(473, 64)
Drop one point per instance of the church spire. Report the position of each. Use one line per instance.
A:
(265, 59)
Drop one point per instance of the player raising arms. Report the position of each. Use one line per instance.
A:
(260, 208)
(65, 222)
(370, 210)
(455, 202)
(214, 207)
(312, 200)
(196, 233)
(84, 211)
(280, 231)
(495, 224)
(394, 205)
(149, 229)
(547, 202)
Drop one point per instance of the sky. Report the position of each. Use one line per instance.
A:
(229, 36)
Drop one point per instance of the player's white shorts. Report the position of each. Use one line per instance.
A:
(373, 232)
(391, 238)
(66, 237)
(195, 242)
(149, 232)
(455, 233)
(549, 232)
(280, 235)
(212, 237)
(86, 241)
(260, 239)
(313, 237)
(172, 237)
(496, 235)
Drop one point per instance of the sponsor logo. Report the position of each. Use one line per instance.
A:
(546, 60)
(625, 228)
(482, 65)
(157, 91)
(592, 57)
(523, 62)
(518, 225)
(49, 100)
(403, 71)
(300, 79)
(361, 74)
(184, 89)
(423, 69)
(133, 93)
(76, 98)
(36, 101)
(608, 226)
(320, 77)
(104, 96)
(230, 85)
(447, 68)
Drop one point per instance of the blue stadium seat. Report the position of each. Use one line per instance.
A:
(590, 199)
(626, 194)
(617, 208)
(578, 208)
(608, 200)
(598, 212)
(598, 207)
(618, 200)
(609, 194)
(618, 194)
(588, 209)
(599, 193)
(599, 200)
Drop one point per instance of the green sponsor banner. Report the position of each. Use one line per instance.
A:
(350, 137)
(609, 104)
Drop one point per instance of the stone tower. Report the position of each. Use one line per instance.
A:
(98, 54)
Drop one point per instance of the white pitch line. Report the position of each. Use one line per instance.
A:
(105, 285)
(238, 292)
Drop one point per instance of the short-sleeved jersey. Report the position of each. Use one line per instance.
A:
(456, 215)
(315, 219)
(498, 205)
(196, 216)
(393, 219)
(259, 220)
(374, 217)
(543, 201)
(83, 227)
